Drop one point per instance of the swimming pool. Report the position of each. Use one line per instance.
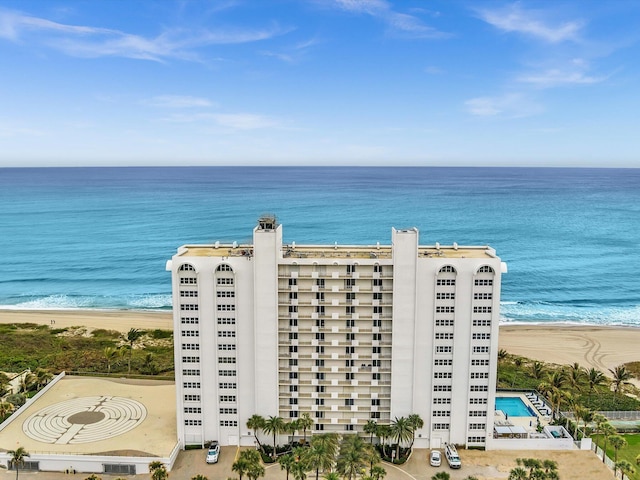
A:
(514, 407)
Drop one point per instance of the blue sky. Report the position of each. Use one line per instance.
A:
(330, 82)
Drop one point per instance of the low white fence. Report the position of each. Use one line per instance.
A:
(607, 461)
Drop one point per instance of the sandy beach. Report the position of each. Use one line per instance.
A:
(599, 347)
(120, 320)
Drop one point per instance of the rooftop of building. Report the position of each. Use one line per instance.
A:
(97, 416)
(337, 251)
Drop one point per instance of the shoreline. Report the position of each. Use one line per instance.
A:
(120, 320)
(599, 346)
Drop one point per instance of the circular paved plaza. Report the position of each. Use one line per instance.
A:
(84, 419)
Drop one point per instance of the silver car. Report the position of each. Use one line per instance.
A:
(435, 458)
(213, 453)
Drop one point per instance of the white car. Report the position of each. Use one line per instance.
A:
(435, 458)
(213, 453)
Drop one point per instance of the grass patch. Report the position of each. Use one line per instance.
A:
(158, 334)
(634, 368)
(37, 346)
(628, 453)
(106, 334)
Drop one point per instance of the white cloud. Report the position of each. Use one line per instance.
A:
(399, 22)
(177, 101)
(91, 42)
(555, 77)
(292, 54)
(514, 18)
(233, 121)
(243, 121)
(510, 105)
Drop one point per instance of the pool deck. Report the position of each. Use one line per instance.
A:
(530, 423)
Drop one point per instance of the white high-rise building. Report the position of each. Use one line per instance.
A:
(346, 333)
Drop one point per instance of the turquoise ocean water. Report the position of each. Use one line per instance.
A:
(99, 238)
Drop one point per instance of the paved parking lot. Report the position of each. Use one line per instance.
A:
(494, 465)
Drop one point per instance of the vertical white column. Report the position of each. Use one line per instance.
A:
(267, 245)
(405, 257)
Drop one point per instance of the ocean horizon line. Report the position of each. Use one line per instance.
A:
(236, 165)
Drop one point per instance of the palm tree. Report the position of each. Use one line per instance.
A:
(370, 427)
(5, 409)
(292, 427)
(286, 462)
(607, 430)
(599, 420)
(240, 466)
(400, 432)
(377, 472)
(352, 459)
(470, 477)
(255, 423)
(625, 467)
(43, 376)
(110, 354)
(247, 464)
(299, 471)
(372, 456)
(621, 377)
(534, 465)
(518, 473)
(502, 355)
(575, 376)
(133, 335)
(158, 470)
(274, 425)
(538, 370)
(584, 414)
(16, 457)
(441, 476)
(199, 477)
(553, 388)
(332, 476)
(93, 476)
(322, 452)
(415, 422)
(27, 381)
(617, 442)
(255, 470)
(305, 422)
(549, 466)
(384, 432)
(595, 378)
